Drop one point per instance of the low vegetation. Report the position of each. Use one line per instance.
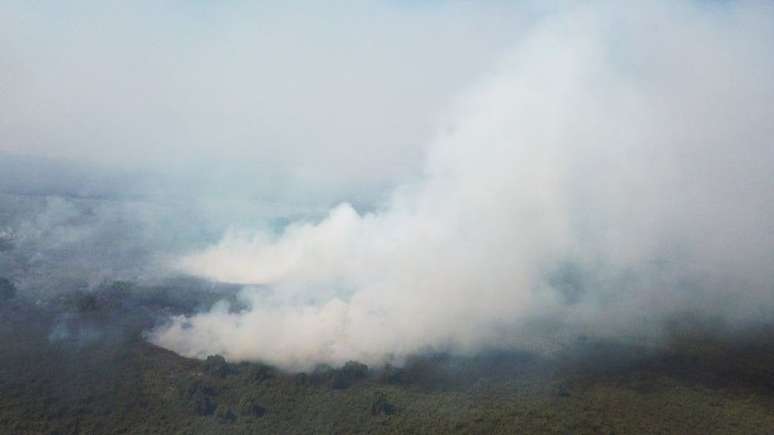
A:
(118, 383)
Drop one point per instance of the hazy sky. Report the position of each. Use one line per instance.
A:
(317, 100)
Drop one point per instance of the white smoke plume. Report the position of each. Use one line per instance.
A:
(613, 171)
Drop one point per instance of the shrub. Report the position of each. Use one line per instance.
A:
(224, 414)
(380, 405)
(216, 365)
(249, 406)
(7, 289)
(352, 372)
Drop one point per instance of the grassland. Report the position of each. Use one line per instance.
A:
(111, 381)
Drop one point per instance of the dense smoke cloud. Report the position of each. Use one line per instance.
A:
(612, 172)
(512, 175)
